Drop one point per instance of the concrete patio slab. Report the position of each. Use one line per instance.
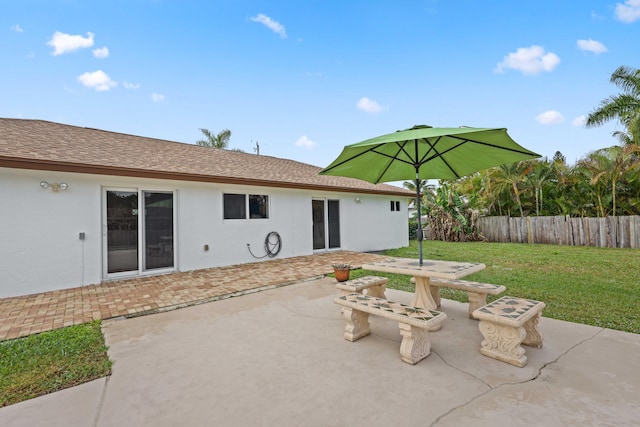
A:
(75, 406)
(278, 357)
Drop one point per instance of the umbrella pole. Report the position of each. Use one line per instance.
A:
(419, 233)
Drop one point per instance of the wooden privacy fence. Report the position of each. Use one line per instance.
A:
(609, 232)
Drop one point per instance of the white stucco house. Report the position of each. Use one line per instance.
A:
(81, 206)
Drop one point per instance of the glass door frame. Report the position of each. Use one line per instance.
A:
(327, 224)
(142, 270)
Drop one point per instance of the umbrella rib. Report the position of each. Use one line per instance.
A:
(354, 157)
(432, 147)
(489, 145)
(438, 154)
(394, 157)
(462, 142)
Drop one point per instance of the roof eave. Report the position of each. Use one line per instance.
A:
(35, 164)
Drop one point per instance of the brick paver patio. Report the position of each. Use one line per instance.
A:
(31, 314)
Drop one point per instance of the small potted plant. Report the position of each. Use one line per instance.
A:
(341, 270)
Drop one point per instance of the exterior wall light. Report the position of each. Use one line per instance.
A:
(55, 187)
(357, 200)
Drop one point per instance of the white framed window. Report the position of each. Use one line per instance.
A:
(395, 206)
(236, 206)
(258, 206)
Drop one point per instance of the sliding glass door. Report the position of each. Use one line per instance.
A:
(158, 230)
(122, 231)
(326, 224)
(138, 231)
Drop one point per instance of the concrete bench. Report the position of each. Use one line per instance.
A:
(374, 285)
(505, 324)
(477, 292)
(414, 322)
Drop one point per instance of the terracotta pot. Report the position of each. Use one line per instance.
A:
(342, 275)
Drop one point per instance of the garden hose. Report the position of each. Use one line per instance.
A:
(272, 245)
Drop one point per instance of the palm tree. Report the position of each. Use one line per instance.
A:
(424, 188)
(510, 177)
(485, 194)
(563, 187)
(221, 140)
(607, 168)
(624, 106)
(537, 173)
(411, 185)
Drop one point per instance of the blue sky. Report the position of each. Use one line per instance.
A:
(305, 78)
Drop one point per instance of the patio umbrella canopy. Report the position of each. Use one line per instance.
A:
(425, 152)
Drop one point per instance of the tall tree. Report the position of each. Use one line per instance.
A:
(220, 140)
(510, 176)
(537, 173)
(608, 167)
(624, 107)
(563, 187)
(425, 187)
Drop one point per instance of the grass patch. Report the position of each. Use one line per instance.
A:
(593, 286)
(51, 361)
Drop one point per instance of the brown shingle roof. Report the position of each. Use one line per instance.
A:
(39, 144)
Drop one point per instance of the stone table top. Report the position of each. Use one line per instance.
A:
(450, 270)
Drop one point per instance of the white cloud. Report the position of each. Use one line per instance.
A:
(550, 117)
(63, 43)
(98, 80)
(305, 142)
(592, 46)
(629, 11)
(17, 28)
(274, 26)
(529, 60)
(157, 97)
(102, 52)
(133, 86)
(369, 105)
(579, 121)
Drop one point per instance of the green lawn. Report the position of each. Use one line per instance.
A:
(51, 361)
(594, 286)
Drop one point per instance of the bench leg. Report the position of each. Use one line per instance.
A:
(415, 345)
(534, 337)
(357, 324)
(503, 343)
(476, 301)
(377, 291)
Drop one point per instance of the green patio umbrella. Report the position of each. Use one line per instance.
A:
(425, 152)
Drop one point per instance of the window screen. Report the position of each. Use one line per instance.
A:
(258, 206)
(235, 206)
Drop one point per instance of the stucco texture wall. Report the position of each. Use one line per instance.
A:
(40, 248)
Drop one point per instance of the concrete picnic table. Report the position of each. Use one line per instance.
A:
(448, 270)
